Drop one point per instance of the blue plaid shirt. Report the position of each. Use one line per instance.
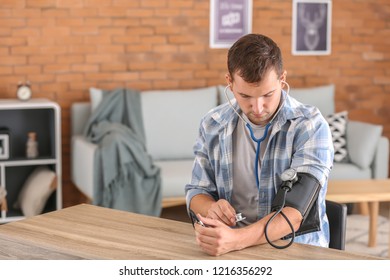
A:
(300, 139)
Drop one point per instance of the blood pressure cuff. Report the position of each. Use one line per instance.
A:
(303, 197)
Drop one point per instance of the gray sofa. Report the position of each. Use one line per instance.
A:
(171, 119)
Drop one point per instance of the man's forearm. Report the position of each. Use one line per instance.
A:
(201, 203)
(254, 234)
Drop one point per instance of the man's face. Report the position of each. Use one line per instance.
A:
(258, 101)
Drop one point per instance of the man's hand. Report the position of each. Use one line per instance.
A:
(216, 238)
(223, 211)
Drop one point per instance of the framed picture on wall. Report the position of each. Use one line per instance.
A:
(4, 146)
(229, 20)
(311, 27)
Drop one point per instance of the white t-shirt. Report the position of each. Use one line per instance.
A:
(245, 194)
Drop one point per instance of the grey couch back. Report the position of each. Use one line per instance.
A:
(322, 97)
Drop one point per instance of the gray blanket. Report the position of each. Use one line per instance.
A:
(125, 177)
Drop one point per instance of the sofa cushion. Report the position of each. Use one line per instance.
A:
(175, 174)
(95, 96)
(172, 118)
(338, 127)
(362, 140)
(322, 97)
(349, 171)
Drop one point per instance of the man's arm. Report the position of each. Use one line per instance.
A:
(221, 210)
(314, 150)
(217, 238)
(202, 194)
(277, 228)
(201, 203)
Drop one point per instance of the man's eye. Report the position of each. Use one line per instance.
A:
(245, 96)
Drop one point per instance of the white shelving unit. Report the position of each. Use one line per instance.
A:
(18, 118)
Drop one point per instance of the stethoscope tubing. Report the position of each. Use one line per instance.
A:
(258, 142)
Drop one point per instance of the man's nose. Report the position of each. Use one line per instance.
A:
(258, 105)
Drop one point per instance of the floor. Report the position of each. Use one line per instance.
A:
(384, 209)
(356, 239)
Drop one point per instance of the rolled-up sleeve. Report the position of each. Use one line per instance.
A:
(314, 148)
(203, 173)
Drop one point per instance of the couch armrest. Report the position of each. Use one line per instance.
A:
(79, 114)
(380, 165)
(82, 164)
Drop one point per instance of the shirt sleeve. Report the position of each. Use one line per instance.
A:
(203, 173)
(313, 151)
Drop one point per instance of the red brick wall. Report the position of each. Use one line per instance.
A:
(66, 46)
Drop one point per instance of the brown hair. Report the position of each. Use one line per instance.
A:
(252, 56)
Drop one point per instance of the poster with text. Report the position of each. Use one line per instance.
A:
(311, 27)
(229, 20)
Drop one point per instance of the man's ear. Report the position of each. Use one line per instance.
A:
(229, 81)
(283, 77)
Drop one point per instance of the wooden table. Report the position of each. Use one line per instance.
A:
(91, 232)
(371, 191)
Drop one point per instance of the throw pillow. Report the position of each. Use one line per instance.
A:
(35, 192)
(338, 127)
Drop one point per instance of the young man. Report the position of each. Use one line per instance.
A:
(224, 181)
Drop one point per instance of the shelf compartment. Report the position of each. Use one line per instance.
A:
(19, 123)
(15, 177)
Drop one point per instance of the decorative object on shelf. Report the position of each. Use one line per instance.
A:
(4, 144)
(3, 200)
(32, 145)
(24, 91)
(35, 192)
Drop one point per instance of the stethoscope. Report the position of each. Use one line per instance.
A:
(257, 140)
